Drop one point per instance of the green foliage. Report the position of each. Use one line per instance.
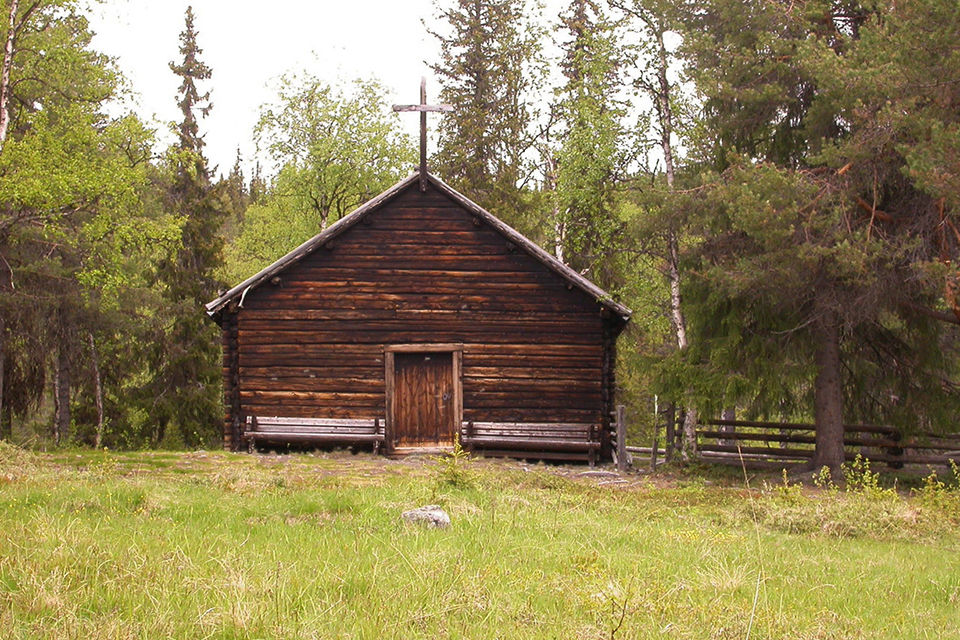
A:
(942, 498)
(859, 478)
(862, 509)
(592, 158)
(812, 218)
(74, 235)
(184, 389)
(453, 472)
(335, 148)
(490, 69)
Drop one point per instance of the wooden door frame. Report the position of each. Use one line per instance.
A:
(456, 351)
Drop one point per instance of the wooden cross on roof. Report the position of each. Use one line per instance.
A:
(423, 108)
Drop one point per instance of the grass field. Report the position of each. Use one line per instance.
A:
(215, 545)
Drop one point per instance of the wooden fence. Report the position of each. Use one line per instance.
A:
(779, 444)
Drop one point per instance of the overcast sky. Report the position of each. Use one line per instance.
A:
(249, 43)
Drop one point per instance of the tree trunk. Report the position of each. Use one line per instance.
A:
(728, 414)
(5, 71)
(98, 388)
(61, 393)
(559, 227)
(828, 400)
(689, 449)
(3, 362)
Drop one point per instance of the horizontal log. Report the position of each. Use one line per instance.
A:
(413, 197)
(381, 337)
(425, 302)
(370, 359)
(368, 264)
(363, 399)
(401, 315)
(521, 402)
(442, 209)
(802, 426)
(751, 462)
(536, 455)
(937, 444)
(547, 361)
(330, 433)
(292, 426)
(374, 234)
(314, 422)
(530, 370)
(473, 352)
(319, 384)
(911, 458)
(412, 286)
(490, 297)
(430, 269)
(511, 414)
(439, 219)
(560, 426)
(521, 349)
(795, 439)
(267, 358)
(530, 444)
(290, 409)
(530, 384)
(429, 322)
(767, 451)
(302, 438)
(528, 434)
(346, 372)
(403, 288)
(588, 391)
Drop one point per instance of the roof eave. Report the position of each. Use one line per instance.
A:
(538, 252)
(216, 306)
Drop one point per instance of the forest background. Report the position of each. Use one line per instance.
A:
(771, 186)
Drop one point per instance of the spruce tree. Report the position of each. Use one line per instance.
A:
(489, 68)
(818, 277)
(185, 358)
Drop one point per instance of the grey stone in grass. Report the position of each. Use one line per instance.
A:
(431, 516)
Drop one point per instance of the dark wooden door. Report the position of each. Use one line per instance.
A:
(424, 402)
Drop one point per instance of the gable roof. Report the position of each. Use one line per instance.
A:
(215, 307)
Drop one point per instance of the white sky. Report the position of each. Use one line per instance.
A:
(248, 43)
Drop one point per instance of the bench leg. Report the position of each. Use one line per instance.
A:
(251, 445)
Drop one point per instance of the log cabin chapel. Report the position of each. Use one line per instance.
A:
(416, 317)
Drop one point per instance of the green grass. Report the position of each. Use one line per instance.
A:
(215, 545)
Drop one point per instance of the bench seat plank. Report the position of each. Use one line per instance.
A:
(279, 429)
(574, 441)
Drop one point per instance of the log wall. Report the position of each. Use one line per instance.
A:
(421, 269)
(231, 378)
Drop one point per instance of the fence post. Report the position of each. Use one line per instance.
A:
(671, 432)
(621, 438)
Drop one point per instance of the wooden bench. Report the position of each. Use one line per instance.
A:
(349, 431)
(544, 440)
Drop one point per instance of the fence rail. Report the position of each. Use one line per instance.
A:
(777, 444)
